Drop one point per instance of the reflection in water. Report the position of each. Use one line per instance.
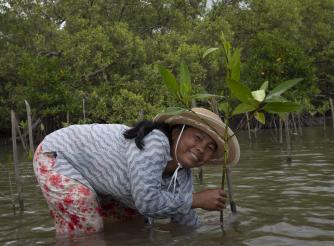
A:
(278, 203)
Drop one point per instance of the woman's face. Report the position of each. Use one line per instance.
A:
(195, 147)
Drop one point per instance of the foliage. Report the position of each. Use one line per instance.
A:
(55, 53)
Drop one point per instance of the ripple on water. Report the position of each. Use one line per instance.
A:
(284, 241)
(320, 221)
(40, 228)
(286, 229)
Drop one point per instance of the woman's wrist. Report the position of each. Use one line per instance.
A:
(195, 201)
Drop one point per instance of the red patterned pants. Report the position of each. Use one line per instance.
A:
(74, 206)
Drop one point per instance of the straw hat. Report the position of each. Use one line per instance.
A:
(211, 124)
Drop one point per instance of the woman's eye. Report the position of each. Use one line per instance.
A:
(212, 148)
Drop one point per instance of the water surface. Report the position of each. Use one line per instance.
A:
(278, 203)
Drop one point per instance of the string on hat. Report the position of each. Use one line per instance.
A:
(179, 166)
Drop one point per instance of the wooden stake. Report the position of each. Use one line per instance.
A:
(332, 109)
(280, 131)
(31, 142)
(294, 123)
(84, 109)
(200, 169)
(248, 127)
(16, 162)
(300, 127)
(21, 137)
(68, 117)
(288, 139)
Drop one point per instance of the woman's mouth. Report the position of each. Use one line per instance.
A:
(194, 156)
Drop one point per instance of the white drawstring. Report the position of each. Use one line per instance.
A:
(174, 177)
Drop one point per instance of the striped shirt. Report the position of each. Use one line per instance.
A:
(99, 156)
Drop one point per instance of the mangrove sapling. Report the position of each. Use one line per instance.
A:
(322, 110)
(227, 172)
(254, 102)
(21, 137)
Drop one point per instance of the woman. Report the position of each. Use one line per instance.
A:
(88, 172)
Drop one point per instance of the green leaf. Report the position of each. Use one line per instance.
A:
(240, 91)
(185, 80)
(243, 108)
(235, 65)
(209, 51)
(276, 99)
(185, 84)
(184, 74)
(284, 86)
(259, 95)
(259, 116)
(224, 107)
(174, 110)
(169, 80)
(185, 93)
(281, 107)
(204, 96)
(264, 86)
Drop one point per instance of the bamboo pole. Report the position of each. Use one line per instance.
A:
(16, 162)
(332, 109)
(31, 142)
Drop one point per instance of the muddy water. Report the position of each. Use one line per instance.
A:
(278, 203)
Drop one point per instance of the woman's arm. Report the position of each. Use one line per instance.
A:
(146, 167)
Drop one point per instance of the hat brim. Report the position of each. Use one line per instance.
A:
(214, 128)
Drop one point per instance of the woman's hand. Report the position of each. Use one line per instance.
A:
(212, 200)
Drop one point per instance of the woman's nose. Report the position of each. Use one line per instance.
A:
(200, 147)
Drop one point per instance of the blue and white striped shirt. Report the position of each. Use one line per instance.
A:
(100, 157)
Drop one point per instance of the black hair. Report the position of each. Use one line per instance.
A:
(144, 127)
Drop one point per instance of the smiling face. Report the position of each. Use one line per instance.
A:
(195, 147)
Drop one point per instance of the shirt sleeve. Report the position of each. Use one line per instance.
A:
(191, 218)
(145, 171)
